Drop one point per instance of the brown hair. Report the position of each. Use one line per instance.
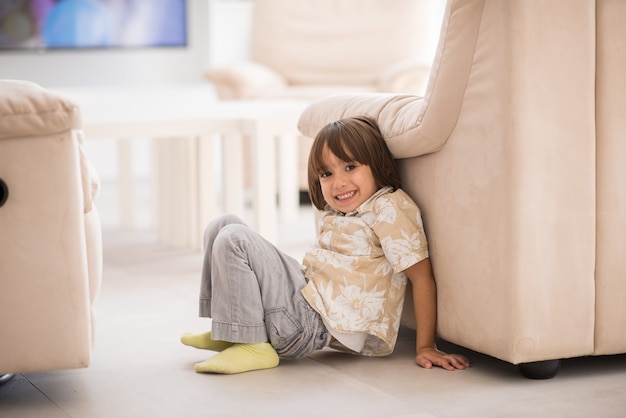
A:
(357, 139)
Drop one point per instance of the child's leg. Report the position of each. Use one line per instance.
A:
(204, 340)
(253, 293)
(237, 305)
(211, 232)
(233, 357)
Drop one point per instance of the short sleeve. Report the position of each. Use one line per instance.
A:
(400, 230)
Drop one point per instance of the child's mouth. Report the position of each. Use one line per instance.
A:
(345, 195)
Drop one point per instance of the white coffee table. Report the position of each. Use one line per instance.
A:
(185, 121)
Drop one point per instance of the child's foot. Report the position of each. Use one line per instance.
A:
(240, 358)
(204, 341)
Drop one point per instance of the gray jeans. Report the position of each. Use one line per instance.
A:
(251, 290)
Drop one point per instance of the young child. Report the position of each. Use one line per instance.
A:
(350, 290)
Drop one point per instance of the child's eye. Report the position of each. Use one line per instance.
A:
(351, 167)
(324, 175)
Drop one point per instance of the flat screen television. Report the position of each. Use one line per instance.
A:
(75, 24)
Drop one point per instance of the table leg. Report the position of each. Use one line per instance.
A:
(125, 183)
(191, 187)
(289, 198)
(155, 187)
(161, 189)
(173, 192)
(177, 199)
(207, 190)
(232, 173)
(264, 180)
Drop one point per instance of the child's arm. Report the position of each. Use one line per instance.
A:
(425, 301)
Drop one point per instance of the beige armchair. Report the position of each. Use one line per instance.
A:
(50, 244)
(516, 157)
(304, 49)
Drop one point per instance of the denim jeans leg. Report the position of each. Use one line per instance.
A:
(211, 232)
(251, 290)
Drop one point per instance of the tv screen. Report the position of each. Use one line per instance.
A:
(63, 24)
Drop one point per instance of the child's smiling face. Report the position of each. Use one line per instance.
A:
(346, 185)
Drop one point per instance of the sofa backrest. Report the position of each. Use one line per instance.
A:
(344, 42)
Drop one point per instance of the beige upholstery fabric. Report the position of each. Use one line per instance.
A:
(304, 49)
(610, 177)
(515, 156)
(330, 42)
(50, 245)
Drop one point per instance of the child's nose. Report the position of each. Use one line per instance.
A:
(340, 179)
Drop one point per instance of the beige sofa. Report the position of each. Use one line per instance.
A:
(50, 244)
(304, 50)
(516, 156)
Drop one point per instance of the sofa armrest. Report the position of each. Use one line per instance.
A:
(244, 81)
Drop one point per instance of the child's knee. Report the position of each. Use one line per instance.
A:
(215, 227)
(230, 238)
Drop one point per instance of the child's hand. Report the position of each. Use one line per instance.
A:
(427, 357)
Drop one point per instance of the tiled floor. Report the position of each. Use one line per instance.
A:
(140, 369)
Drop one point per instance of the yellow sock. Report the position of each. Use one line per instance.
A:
(204, 341)
(240, 358)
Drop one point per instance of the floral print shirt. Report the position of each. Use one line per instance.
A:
(355, 276)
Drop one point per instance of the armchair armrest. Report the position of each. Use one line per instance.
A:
(244, 81)
(401, 119)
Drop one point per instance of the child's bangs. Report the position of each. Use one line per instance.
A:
(348, 147)
(343, 146)
(336, 145)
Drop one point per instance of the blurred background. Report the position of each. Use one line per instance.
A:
(99, 43)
